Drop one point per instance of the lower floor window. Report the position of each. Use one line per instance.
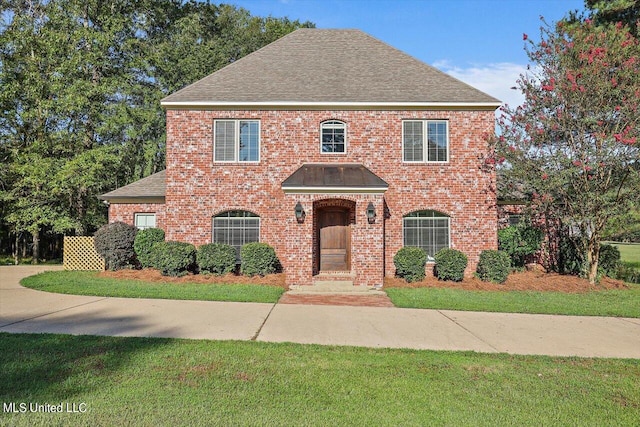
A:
(145, 220)
(236, 228)
(428, 230)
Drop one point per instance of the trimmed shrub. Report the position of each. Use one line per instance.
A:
(493, 266)
(143, 245)
(519, 241)
(216, 258)
(258, 259)
(609, 260)
(450, 264)
(173, 258)
(410, 262)
(114, 243)
(628, 272)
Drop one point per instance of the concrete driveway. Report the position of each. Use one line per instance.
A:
(27, 311)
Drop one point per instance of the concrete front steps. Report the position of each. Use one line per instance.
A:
(334, 283)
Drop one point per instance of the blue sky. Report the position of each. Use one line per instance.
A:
(477, 41)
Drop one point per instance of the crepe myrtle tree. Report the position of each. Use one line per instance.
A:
(574, 143)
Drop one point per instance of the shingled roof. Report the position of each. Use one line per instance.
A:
(317, 66)
(150, 190)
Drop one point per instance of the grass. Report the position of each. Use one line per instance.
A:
(620, 303)
(149, 382)
(629, 253)
(630, 257)
(89, 283)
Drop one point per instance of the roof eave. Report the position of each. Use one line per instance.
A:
(334, 190)
(318, 105)
(132, 199)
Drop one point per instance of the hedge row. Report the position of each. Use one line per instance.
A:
(123, 246)
(493, 266)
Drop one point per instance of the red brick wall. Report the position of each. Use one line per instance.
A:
(198, 188)
(125, 212)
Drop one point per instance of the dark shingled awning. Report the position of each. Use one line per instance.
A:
(334, 178)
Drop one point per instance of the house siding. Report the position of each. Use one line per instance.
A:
(199, 188)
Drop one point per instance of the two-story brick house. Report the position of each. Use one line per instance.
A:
(331, 146)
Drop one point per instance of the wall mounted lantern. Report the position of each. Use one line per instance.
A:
(371, 213)
(300, 214)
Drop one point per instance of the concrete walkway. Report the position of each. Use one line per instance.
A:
(27, 311)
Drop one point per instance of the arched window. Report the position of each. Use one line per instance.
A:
(428, 230)
(333, 137)
(236, 228)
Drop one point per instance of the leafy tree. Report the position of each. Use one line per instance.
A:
(613, 11)
(574, 141)
(80, 89)
(28, 123)
(519, 241)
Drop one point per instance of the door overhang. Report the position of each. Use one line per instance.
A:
(332, 178)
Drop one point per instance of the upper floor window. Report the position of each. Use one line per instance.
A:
(145, 220)
(333, 136)
(236, 141)
(425, 140)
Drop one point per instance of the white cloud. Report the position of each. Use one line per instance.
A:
(494, 79)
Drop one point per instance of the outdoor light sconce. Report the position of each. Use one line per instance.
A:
(300, 214)
(371, 213)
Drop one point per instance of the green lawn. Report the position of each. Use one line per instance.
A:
(621, 303)
(152, 382)
(630, 257)
(88, 283)
(629, 253)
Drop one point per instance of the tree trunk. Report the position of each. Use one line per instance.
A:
(593, 256)
(36, 247)
(23, 240)
(16, 249)
(551, 255)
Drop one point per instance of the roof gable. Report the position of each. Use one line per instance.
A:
(328, 66)
(151, 189)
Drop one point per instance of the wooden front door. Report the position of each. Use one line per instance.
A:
(335, 240)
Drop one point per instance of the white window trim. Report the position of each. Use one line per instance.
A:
(425, 142)
(236, 142)
(430, 259)
(145, 214)
(344, 124)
